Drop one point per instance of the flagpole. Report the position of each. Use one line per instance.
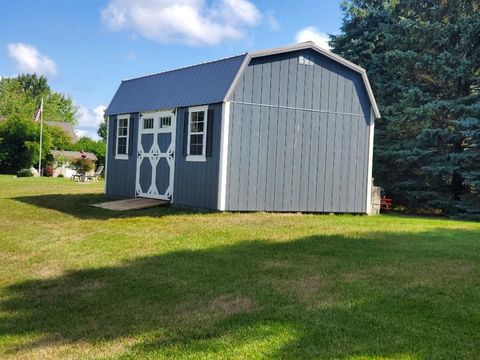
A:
(41, 135)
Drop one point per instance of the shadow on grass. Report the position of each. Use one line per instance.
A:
(79, 205)
(318, 297)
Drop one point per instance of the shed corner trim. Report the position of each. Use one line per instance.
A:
(370, 168)
(223, 168)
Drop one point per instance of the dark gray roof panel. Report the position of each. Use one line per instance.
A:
(206, 83)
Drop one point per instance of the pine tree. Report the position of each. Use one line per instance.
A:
(423, 59)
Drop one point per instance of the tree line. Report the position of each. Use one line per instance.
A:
(423, 61)
(19, 135)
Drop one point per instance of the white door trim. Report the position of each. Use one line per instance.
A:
(154, 155)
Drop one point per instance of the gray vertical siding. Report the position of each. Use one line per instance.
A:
(196, 183)
(121, 175)
(299, 137)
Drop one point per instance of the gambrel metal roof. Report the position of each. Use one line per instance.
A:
(206, 83)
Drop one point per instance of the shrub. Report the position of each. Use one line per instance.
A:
(48, 170)
(83, 165)
(90, 145)
(61, 160)
(24, 173)
(60, 175)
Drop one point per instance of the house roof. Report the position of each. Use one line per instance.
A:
(205, 83)
(67, 128)
(72, 154)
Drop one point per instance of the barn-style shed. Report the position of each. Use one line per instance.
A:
(286, 129)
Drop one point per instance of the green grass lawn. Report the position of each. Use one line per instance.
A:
(82, 282)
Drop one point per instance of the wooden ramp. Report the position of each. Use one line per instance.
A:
(130, 204)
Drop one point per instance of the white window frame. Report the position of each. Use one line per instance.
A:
(164, 116)
(143, 122)
(117, 155)
(191, 110)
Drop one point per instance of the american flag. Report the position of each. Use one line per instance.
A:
(39, 112)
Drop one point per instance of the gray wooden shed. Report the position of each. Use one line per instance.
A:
(286, 129)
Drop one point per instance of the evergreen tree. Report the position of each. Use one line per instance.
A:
(423, 59)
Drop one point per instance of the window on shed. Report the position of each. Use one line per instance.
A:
(165, 122)
(197, 131)
(122, 137)
(148, 123)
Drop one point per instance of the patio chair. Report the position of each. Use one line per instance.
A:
(76, 175)
(95, 176)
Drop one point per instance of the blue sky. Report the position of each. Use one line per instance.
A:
(86, 47)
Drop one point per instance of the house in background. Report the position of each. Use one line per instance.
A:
(62, 161)
(286, 129)
(66, 127)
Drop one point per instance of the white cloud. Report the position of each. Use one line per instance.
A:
(311, 33)
(89, 120)
(28, 59)
(131, 55)
(82, 133)
(192, 22)
(272, 21)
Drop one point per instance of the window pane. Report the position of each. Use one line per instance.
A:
(197, 116)
(197, 121)
(148, 123)
(165, 122)
(122, 146)
(195, 149)
(122, 122)
(196, 127)
(196, 144)
(122, 150)
(196, 139)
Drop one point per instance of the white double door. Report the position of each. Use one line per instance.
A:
(156, 155)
